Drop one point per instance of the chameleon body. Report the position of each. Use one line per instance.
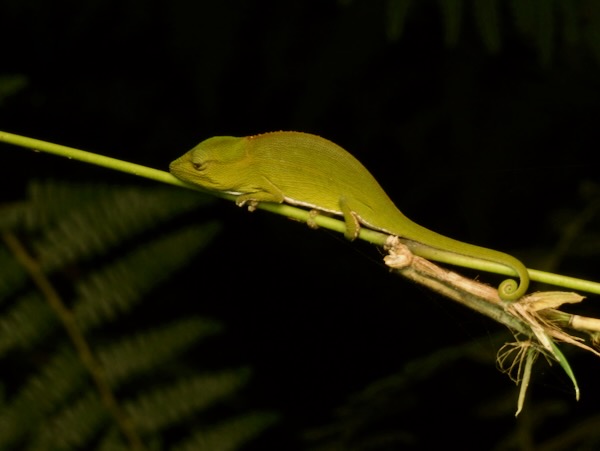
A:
(309, 171)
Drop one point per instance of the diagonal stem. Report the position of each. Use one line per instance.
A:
(75, 334)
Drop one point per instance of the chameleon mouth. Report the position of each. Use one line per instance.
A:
(179, 166)
(183, 169)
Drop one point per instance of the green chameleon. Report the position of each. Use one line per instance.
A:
(309, 171)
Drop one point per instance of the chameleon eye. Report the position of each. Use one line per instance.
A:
(198, 166)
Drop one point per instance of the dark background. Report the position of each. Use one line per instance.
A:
(488, 135)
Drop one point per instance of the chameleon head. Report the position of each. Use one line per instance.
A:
(214, 164)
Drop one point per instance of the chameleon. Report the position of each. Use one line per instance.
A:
(309, 171)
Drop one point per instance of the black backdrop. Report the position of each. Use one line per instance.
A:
(488, 143)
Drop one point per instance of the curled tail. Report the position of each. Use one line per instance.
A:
(509, 290)
(446, 250)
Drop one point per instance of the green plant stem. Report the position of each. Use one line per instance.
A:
(90, 157)
(282, 209)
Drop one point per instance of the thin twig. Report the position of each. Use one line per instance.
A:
(472, 294)
(530, 315)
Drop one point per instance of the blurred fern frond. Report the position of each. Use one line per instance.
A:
(11, 84)
(545, 25)
(103, 366)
